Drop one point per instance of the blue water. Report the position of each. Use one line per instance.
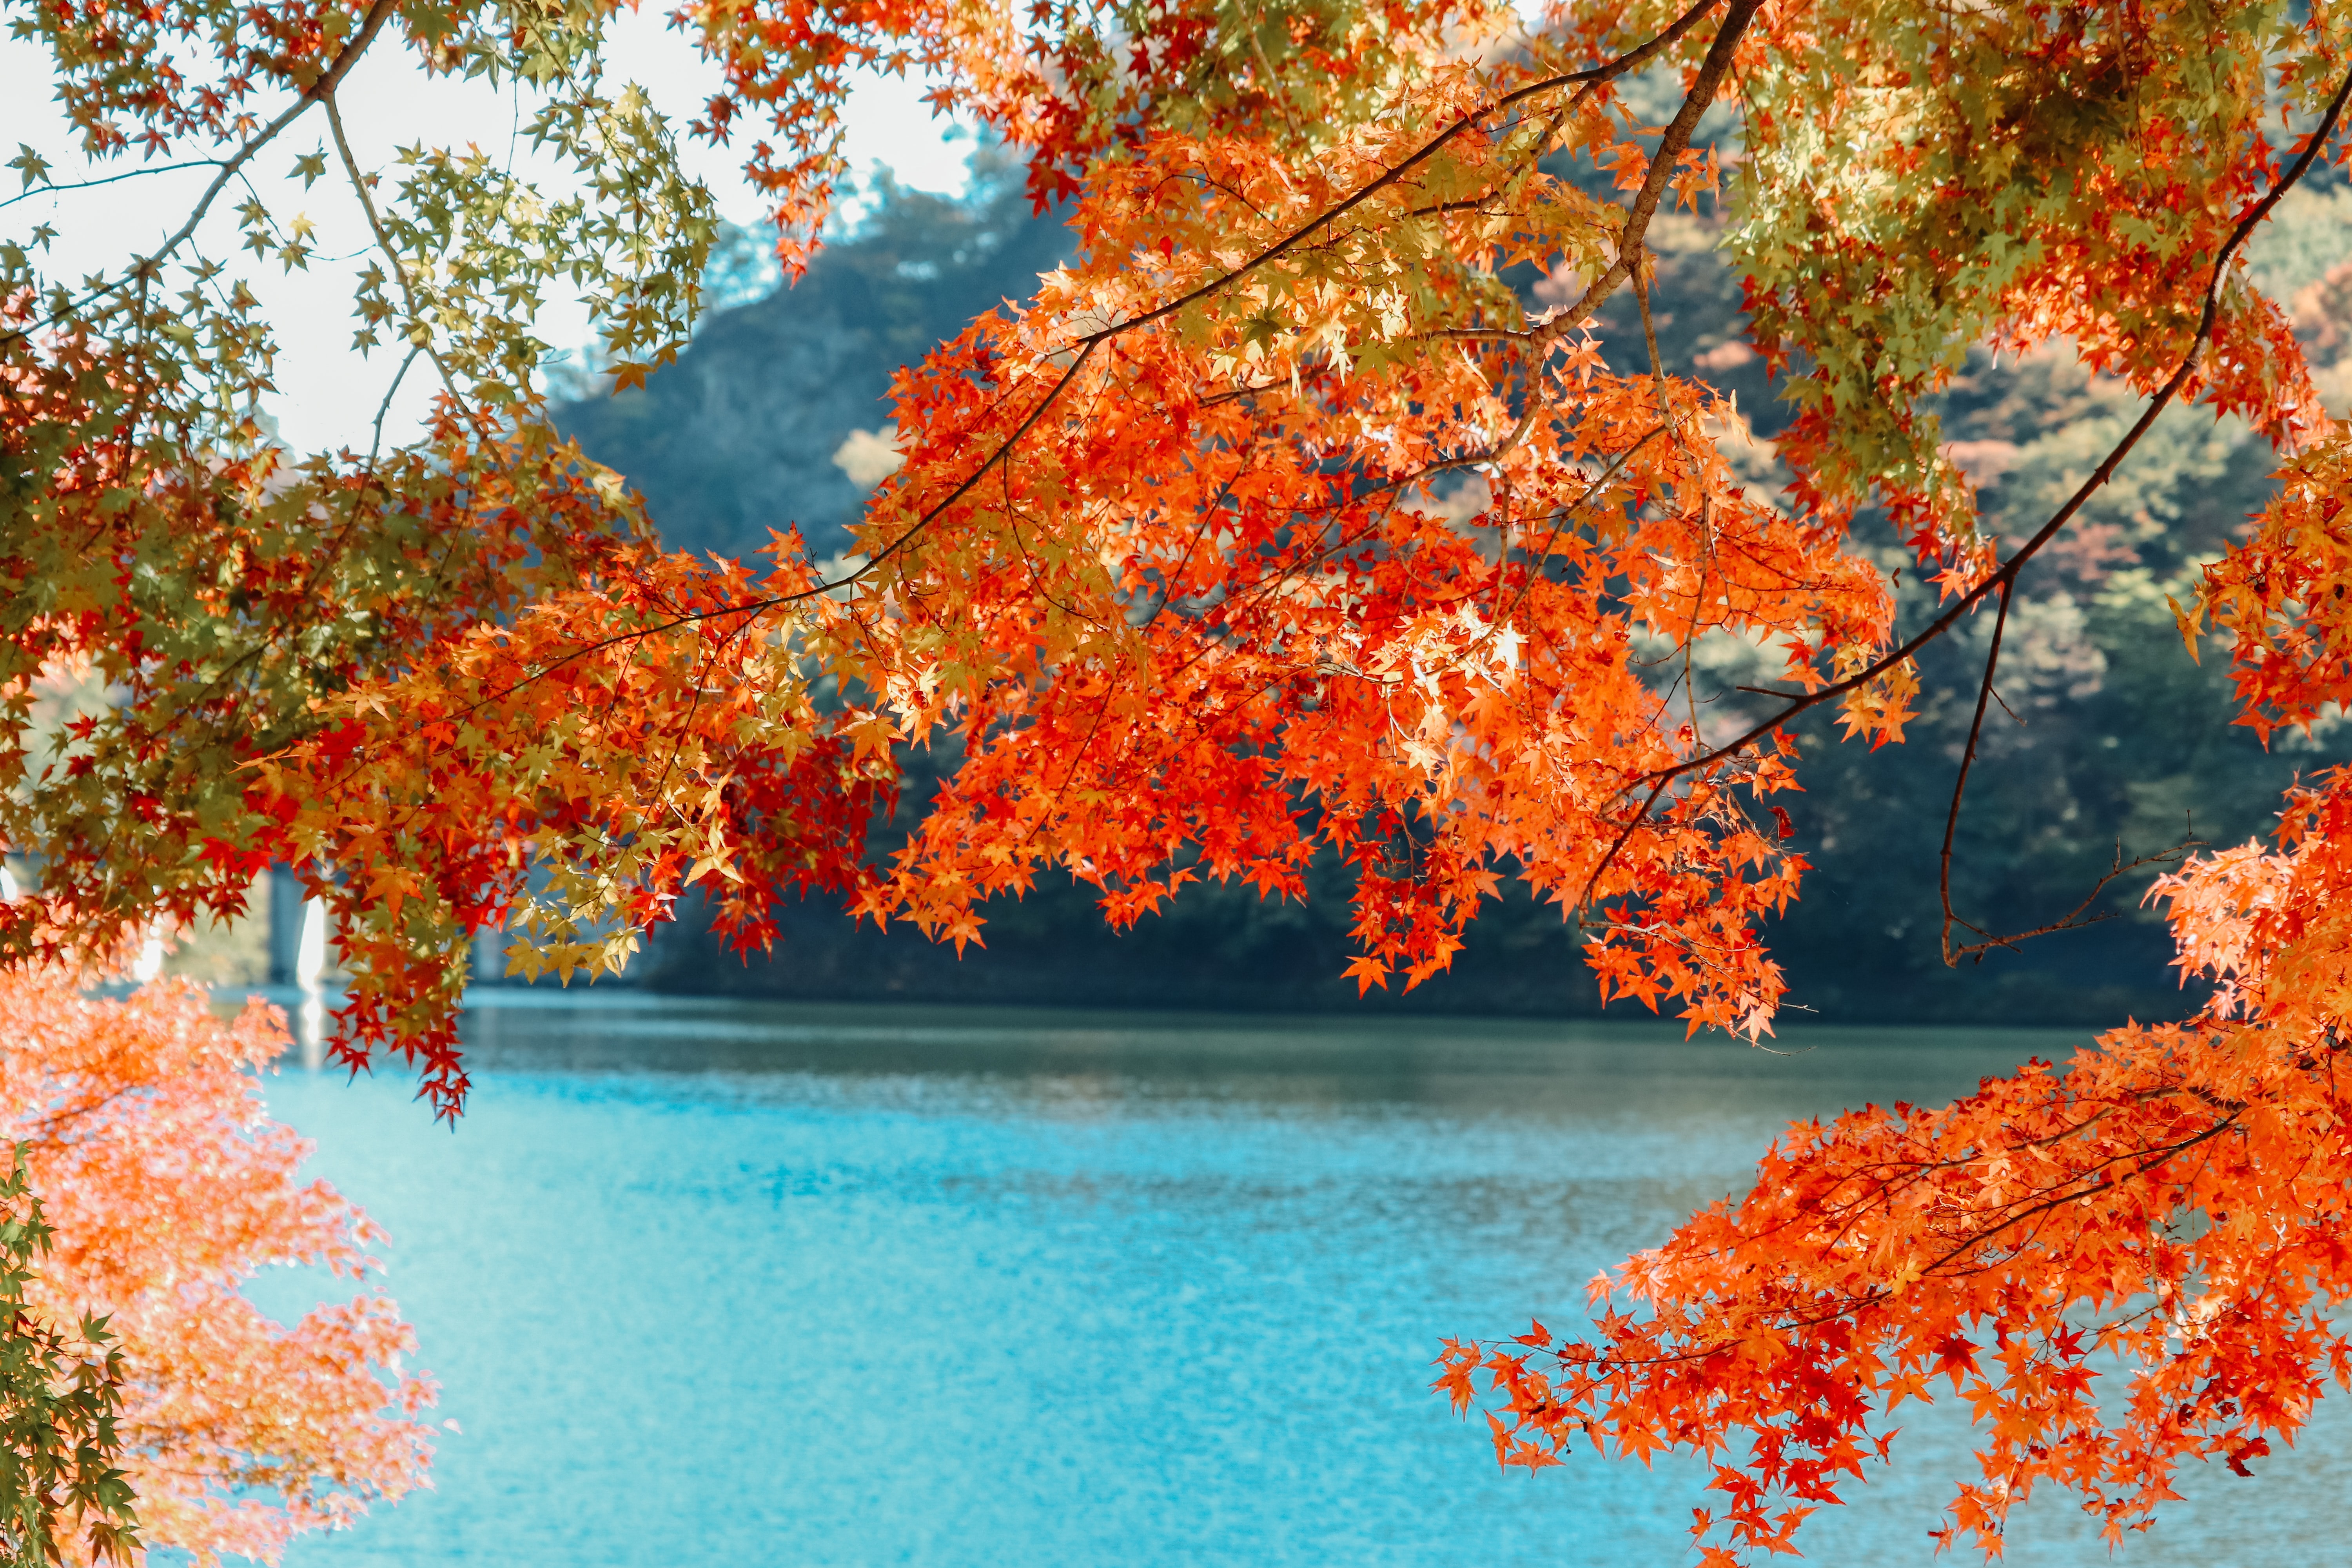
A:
(714, 1284)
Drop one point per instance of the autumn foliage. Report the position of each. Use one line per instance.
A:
(167, 1187)
(1279, 523)
(2167, 1211)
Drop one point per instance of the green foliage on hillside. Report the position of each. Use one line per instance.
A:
(2104, 730)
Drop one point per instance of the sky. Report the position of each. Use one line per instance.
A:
(328, 394)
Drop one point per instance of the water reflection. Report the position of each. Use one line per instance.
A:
(1543, 1070)
(710, 1283)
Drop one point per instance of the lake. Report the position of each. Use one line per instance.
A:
(711, 1283)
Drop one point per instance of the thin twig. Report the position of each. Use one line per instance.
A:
(1960, 783)
(48, 188)
(375, 441)
(384, 242)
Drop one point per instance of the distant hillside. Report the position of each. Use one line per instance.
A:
(2107, 731)
(737, 438)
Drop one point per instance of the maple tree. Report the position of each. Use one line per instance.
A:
(163, 1186)
(1178, 561)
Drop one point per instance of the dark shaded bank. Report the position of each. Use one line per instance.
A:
(1222, 949)
(2107, 736)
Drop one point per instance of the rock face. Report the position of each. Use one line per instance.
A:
(740, 437)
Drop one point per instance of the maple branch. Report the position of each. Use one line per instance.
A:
(1917, 1169)
(1637, 819)
(1911, 1173)
(1440, 209)
(2075, 919)
(2000, 579)
(1233, 395)
(1650, 341)
(1586, 81)
(1534, 155)
(1676, 140)
(964, 487)
(773, 600)
(375, 440)
(1707, 548)
(1786, 1318)
(1544, 337)
(384, 243)
(144, 267)
(1505, 334)
(1170, 575)
(2150, 1162)
(653, 797)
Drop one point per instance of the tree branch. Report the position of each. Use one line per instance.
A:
(2075, 919)
(46, 189)
(318, 91)
(1676, 140)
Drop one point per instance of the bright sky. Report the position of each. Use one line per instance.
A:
(328, 394)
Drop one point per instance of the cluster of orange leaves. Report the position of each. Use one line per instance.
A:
(1208, 618)
(2169, 1210)
(2279, 597)
(169, 1187)
(675, 742)
(1180, 596)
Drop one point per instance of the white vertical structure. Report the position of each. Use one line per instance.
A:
(149, 962)
(309, 974)
(8, 889)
